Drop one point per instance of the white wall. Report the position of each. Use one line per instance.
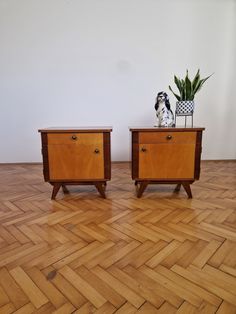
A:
(90, 62)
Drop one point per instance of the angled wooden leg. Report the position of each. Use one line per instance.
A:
(187, 188)
(141, 188)
(65, 190)
(100, 188)
(56, 188)
(177, 189)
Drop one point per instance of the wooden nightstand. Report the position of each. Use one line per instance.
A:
(166, 155)
(76, 156)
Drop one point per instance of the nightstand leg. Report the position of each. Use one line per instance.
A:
(100, 189)
(65, 190)
(56, 188)
(142, 188)
(187, 189)
(178, 186)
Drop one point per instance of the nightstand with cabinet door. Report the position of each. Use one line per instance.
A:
(166, 155)
(76, 156)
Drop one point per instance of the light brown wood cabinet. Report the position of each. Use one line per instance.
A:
(76, 156)
(166, 155)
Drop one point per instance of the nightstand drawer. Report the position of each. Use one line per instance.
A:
(167, 137)
(75, 138)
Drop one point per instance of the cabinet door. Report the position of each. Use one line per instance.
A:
(166, 161)
(76, 156)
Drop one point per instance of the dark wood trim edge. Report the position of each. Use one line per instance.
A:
(107, 155)
(135, 154)
(198, 152)
(45, 156)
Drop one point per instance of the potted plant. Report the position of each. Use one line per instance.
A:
(187, 90)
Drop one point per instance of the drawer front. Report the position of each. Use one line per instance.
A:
(167, 137)
(75, 138)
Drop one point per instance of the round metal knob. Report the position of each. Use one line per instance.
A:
(97, 151)
(143, 149)
(74, 137)
(169, 137)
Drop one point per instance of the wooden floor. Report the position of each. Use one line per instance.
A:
(162, 253)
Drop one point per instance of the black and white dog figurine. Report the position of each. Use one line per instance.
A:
(165, 117)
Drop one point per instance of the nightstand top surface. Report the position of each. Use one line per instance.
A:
(161, 129)
(85, 129)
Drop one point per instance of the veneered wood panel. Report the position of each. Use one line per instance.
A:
(75, 162)
(167, 137)
(164, 161)
(75, 138)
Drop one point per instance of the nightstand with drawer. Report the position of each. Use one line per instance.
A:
(166, 155)
(76, 156)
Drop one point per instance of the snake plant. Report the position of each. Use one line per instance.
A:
(188, 88)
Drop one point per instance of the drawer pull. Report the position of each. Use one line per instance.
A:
(97, 151)
(74, 137)
(143, 149)
(169, 137)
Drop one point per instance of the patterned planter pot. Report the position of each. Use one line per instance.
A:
(185, 107)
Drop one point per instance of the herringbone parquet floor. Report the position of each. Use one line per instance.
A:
(162, 253)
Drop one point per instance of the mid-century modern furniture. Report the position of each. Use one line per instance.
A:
(166, 155)
(76, 156)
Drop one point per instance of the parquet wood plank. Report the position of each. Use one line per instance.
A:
(229, 270)
(204, 281)
(3, 297)
(156, 289)
(87, 308)
(172, 286)
(30, 289)
(81, 285)
(226, 308)
(137, 286)
(52, 293)
(122, 253)
(18, 298)
(26, 309)
(206, 308)
(104, 289)
(127, 308)
(119, 286)
(7, 308)
(66, 308)
(196, 290)
(206, 253)
(66, 288)
(156, 259)
(73, 260)
(187, 308)
(19, 236)
(147, 308)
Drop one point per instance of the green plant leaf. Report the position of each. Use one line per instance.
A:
(200, 83)
(178, 83)
(177, 96)
(196, 80)
(188, 87)
(183, 96)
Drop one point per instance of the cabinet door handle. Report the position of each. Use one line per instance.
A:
(74, 137)
(143, 149)
(169, 137)
(97, 151)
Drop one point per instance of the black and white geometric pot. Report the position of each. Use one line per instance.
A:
(184, 108)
